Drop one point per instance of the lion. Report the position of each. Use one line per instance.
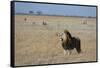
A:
(69, 43)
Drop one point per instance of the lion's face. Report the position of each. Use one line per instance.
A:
(64, 37)
(61, 36)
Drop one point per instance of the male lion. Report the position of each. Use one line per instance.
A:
(69, 43)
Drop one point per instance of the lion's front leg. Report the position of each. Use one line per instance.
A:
(69, 52)
(64, 52)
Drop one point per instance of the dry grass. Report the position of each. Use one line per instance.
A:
(38, 44)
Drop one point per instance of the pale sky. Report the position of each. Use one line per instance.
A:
(50, 9)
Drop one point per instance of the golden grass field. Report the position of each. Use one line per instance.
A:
(37, 44)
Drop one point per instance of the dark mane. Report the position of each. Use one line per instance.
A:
(67, 33)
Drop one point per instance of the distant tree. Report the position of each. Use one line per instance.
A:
(31, 12)
(89, 16)
(39, 12)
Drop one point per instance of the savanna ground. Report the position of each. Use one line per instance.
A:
(37, 44)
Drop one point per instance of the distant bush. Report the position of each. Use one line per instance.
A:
(39, 12)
